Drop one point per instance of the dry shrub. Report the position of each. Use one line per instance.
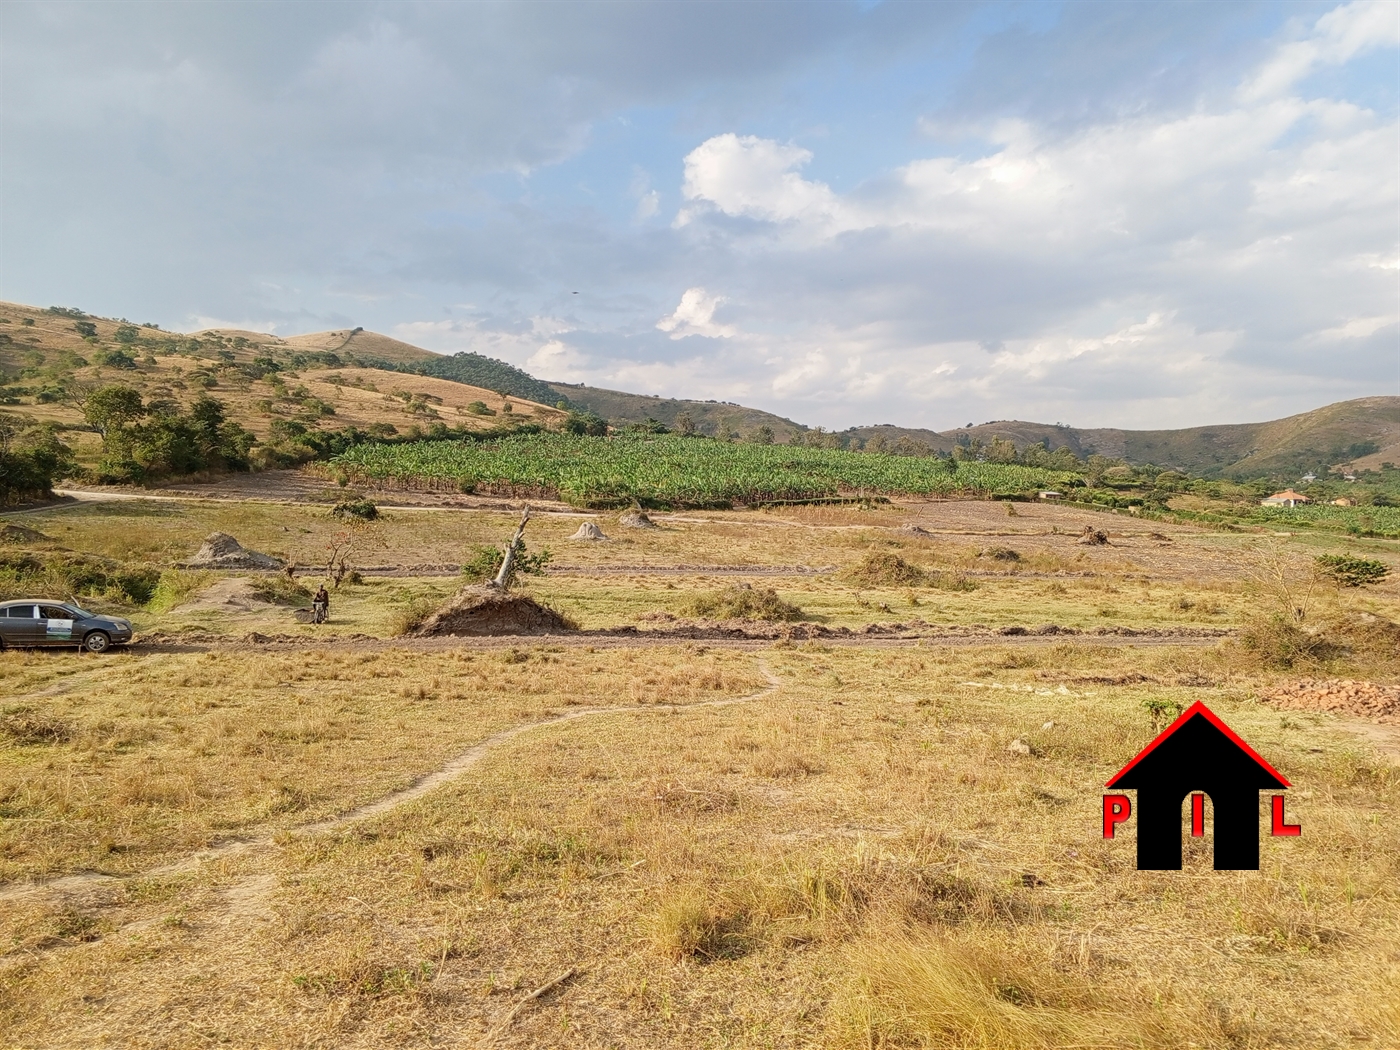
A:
(975, 989)
(884, 569)
(690, 924)
(1000, 554)
(1280, 643)
(408, 617)
(950, 581)
(743, 602)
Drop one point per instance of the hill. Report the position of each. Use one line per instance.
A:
(1361, 433)
(488, 373)
(358, 378)
(270, 386)
(711, 418)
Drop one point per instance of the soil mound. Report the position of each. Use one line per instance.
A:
(486, 611)
(588, 531)
(1379, 703)
(21, 534)
(636, 519)
(221, 551)
(1093, 537)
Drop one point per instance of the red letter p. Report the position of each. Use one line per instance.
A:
(1116, 809)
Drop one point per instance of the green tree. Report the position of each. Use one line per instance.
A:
(112, 408)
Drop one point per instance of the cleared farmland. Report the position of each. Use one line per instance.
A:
(676, 471)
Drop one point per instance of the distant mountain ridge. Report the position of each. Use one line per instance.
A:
(1363, 433)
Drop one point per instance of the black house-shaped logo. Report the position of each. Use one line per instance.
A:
(1196, 753)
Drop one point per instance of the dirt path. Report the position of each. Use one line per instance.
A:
(83, 883)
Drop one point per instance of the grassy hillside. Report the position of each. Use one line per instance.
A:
(712, 418)
(49, 359)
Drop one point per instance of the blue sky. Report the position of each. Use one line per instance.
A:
(1106, 214)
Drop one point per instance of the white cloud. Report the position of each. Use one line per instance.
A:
(754, 178)
(1337, 37)
(695, 316)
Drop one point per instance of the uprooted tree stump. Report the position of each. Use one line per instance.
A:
(1093, 537)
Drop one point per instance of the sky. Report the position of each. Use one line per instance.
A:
(928, 214)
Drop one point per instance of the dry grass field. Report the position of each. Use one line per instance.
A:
(349, 838)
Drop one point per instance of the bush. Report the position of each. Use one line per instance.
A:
(1000, 554)
(1281, 644)
(885, 570)
(408, 617)
(742, 602)
(586, 424)
(1352, 572)
(360, 509)
(484, 562)
(478, 408)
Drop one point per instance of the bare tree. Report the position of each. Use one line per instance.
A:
(1289, 584)
(517, 542)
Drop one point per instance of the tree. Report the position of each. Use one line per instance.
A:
(586, 423)
(112, 408)
(764, 435)
(685, 425)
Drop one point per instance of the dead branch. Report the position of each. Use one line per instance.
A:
(502, 580)
(542, 990)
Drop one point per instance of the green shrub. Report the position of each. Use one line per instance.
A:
(484, 562)
(1352, 572)
(478, 408)
(361, 509)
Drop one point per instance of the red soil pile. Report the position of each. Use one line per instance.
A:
(1378, 703)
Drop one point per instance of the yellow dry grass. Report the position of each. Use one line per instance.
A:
(854, 860)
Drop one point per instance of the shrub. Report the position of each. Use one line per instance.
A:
(742, 602)
(1280, 643)
(1000, 553)
(484, 562)
(360, 509)
(885, 570)
(408, 617)
(1352, 572)
(478, 408)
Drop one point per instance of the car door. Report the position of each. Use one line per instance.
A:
(57, 626)
(21, 625)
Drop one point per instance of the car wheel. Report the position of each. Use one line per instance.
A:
(96, 642)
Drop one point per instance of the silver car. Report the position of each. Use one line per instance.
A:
(33, 622)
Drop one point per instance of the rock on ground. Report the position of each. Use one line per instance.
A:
(487, 611)
(221, 551)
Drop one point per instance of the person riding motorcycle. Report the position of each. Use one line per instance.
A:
(320, 605)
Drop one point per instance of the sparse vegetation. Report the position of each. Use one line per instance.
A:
(1352, 572)
(744, 602)
(885, 569)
